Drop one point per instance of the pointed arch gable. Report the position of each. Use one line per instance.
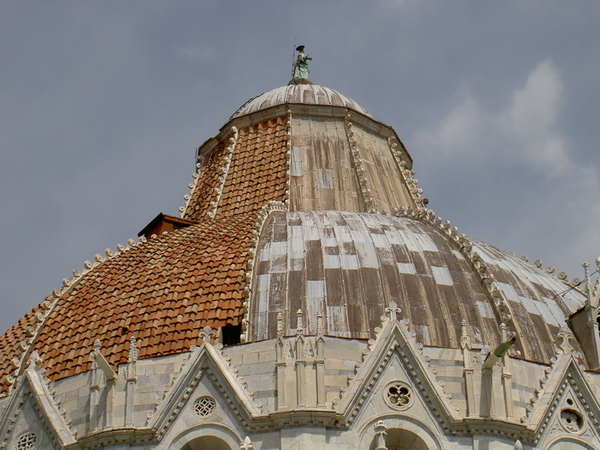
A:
(207, 361)
(395, 342)
(32, 389)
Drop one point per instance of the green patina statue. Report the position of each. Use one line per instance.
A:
(301, 67)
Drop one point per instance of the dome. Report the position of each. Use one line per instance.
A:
(351, 266)
(277, 221)
(305, 294)
(309, 94)
(347, 266)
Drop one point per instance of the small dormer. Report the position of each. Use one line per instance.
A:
(162, 223)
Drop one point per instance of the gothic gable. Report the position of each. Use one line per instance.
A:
(394, 378)
(207, 390)
(33, 417)
(566, 409)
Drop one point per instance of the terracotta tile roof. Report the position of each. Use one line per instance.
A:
(166, 290)
(163, 292)
(203, 194)
(10, 345)
(257, 173)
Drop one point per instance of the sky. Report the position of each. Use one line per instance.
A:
(103, 104)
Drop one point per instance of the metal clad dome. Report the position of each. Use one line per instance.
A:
(308, 94)
(352, 266)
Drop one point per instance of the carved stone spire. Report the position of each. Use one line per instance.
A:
(299, 324)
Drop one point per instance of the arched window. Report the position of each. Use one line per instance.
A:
(207, 443)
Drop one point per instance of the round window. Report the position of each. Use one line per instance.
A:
(26, 441)
(571, 420)
(203, 406)
(398, 395)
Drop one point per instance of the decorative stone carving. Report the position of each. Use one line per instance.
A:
(571, 420)
(393, 310)
(27, 440)
(225, 170)
(565, 344)
(380, 433)
(398, 395)
(359, 168)
(247, 444)
(465, 342)
(204, 406)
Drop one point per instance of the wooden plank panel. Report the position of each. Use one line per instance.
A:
(384, 177)
(326, 180)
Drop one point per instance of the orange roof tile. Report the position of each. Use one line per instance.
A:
(256, 173)
(161, 309)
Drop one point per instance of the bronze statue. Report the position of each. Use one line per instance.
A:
(301, 66)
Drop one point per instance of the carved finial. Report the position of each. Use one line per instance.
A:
(247, 444)
(503, 331)
(299, 323)
(596, 288)
(207, 335)
(320, 325)
(464, 335)
(565, 344)
(133, 351)
(588, 282)
(279, 325)
(393, 310)
(35, 361)
(380, 434)
(95, 353)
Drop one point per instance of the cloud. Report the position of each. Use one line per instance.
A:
(508, 170)
(452, 136)
(523, 133)
(530, 122)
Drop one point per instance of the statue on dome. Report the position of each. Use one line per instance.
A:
(301, 65)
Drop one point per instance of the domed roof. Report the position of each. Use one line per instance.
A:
(309, 94)
(281, 217)
(347, 266)
(162, 291)
(351, 266)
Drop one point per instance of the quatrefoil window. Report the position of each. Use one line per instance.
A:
(398, 395)
(203, 406)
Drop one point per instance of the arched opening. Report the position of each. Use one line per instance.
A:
(398, 439)
(569, 444)
(206, 443)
